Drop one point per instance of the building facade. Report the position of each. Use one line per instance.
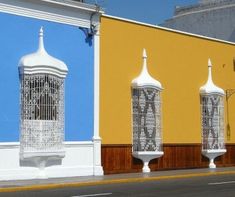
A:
(49, 109)
(179, 61)
(70, 93)
(212, 18)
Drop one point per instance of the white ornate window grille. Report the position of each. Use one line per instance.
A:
(42, 113)
(212, 110)
(42, 104)
(146, 117)
(146, 112)
(212, 119)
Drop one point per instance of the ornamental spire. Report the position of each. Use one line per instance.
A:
(41, 42)
(41, 62)
(210, 87)
(144, 69)
(145, 79)
(209, 71)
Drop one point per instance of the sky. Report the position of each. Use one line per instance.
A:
(147, 11)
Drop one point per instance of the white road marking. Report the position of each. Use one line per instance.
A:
(221, 183)
(91, 195)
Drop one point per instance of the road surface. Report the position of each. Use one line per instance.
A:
(208, 186)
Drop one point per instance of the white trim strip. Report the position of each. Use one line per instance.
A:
(91, 195)
(222, 183)
(7, 145)
(167, 29)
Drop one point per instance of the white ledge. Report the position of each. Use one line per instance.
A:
(67, 12)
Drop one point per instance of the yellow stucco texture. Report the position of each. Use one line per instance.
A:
(178, 61)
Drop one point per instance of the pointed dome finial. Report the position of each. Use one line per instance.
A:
(41, 42)
(210, 87)
(144, 54)
(144, 69)
(209, 70)
(209, 63)
(41, 32)
(145, 79)
(41, 62)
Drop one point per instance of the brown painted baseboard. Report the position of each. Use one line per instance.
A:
(118, 158)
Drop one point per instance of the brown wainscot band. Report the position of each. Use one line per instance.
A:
(117, 158)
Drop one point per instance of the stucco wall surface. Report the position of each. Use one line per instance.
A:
(178, 61)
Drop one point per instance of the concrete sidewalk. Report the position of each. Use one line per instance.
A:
(40, 184)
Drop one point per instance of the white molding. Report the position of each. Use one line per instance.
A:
(66, 12)
(4, 145)
(167, 29)
(78, 161)
(9, 145)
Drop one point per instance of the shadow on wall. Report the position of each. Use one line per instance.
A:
(41, 161)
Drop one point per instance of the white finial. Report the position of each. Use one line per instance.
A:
(209, 63)
(41, 32)
(209, 70)
(210, 87)
(144, 69)
(41, 43)
(144, 53)
(144, 79)
(41, 62)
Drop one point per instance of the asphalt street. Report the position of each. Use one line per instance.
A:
(216, 186)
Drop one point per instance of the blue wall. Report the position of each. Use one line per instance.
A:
(18, 37)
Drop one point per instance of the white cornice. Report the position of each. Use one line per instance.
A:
(67, 12)
(75, 4)
(167, 29)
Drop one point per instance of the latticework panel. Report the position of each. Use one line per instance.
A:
(146, 119)
(42, 113)
(212, 114)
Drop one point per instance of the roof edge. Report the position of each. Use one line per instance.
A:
(77, 5)
(167, 29)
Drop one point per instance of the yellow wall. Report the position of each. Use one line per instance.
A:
(178, 61)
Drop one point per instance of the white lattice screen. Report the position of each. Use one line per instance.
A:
(212, 110)
(42, 113)
(146, 112)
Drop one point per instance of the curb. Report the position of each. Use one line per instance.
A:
(106, 182)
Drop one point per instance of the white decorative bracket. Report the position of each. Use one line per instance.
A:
(146, 157)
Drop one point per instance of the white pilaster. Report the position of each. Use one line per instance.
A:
(98, 169)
